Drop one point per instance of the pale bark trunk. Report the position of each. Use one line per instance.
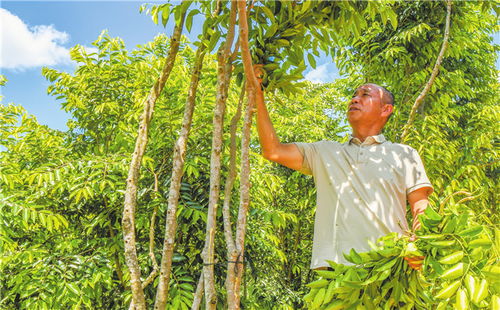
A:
(175, 184)
(128, 221)
(198, 295)
(251, 84)
(232, 254)
(244, 198)
(434, 73)
(224, 72)
(154, 272)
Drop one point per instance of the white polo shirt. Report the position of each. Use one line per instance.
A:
(361, 192)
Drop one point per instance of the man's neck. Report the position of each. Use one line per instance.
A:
(363, 134)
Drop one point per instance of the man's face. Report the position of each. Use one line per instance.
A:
(366, 105)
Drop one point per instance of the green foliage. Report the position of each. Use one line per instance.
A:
(61, 193)
(285, 35)
(461, 269)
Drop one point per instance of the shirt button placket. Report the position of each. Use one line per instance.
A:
(362, 157)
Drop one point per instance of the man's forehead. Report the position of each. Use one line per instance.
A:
(368, 87)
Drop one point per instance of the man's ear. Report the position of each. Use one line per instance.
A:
(387, 110)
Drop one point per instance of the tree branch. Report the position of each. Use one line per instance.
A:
(154, 272)
(434, 73)
(251, 84)
(128, 220)
(224, 71)
(232, 254)
(198, 295)
(244, 46)
(175, 183)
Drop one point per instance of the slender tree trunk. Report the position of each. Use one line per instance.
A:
(198, 295)
(232, 254)
(244, 199)
(251, 84)
(224, 72)
(434, 73)
(154, 272)
(175, 183)
(128, 221)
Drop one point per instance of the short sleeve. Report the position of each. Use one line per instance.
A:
(415, 176)
(308, 151)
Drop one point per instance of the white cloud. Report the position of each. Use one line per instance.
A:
(322, 74)
(24, 47)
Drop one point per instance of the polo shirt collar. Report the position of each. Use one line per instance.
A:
(368, 141)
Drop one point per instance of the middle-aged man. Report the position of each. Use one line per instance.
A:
(362, 185)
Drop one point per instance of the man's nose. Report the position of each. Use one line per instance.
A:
(355, 99)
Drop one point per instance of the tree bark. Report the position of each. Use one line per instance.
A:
(198, 295)
(128, 221)
(434, 73)
(175, 183)
(244, 199)
(251, 84)
(154, 272)
(232, 254)
(224, 72)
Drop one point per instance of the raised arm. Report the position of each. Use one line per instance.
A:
(272, 149)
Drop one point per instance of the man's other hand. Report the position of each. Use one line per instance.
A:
(413, 255)
(415, 262)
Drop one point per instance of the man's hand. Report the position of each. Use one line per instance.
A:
(413, 256)
(415, 262)
(259, 74)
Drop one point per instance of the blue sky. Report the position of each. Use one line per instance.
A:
(44, 32)
(39, 33)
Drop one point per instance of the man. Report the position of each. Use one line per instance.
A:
(363, 185)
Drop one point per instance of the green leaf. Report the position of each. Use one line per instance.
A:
(271, 30)
(178, 10)
(393, 18)
(431, 214)
(189, 19)
(154, 14)
(355, 257)
(471, 232)
(187, 286)
(454, 272)
(452, 258)
(312, 60)
(165, 14)
(178, 258)
(388, 265)
(213, 41)
(268, 13)
(318, 283)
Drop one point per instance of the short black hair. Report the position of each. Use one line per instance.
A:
(390, 96)
(387, 97)
(389, 100)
